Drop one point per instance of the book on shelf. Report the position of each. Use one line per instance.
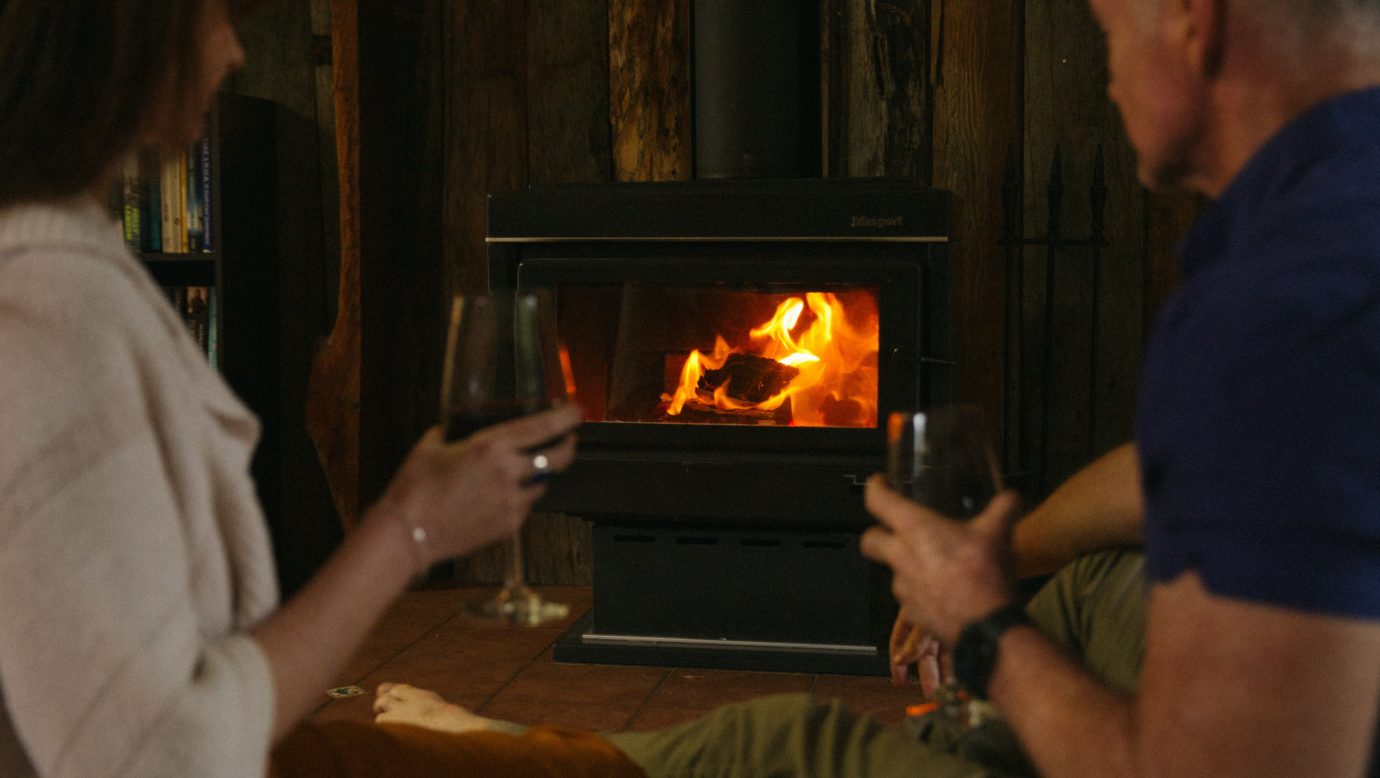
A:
(152, 221)
(163, 200)
(131, 201)
(174, 204)
(212, 329)
(205, 203)
(196, 305)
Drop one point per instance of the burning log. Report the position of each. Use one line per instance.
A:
(750, 378)
(696, 412)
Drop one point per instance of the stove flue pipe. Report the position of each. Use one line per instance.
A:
(756, 77)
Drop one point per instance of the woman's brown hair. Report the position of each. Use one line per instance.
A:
(78, 80)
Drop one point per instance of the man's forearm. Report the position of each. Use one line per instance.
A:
(1069, 723)
(1099, 507)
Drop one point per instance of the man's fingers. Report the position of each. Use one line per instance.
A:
(881, 501)
(996, 519)
(908, 650)
(878, 545)
(930, 677)
(899, 630)
(900, 675)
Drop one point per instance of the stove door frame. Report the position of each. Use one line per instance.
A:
(798, 476)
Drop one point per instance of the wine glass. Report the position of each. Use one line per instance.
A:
(503, 361)
(942, 458)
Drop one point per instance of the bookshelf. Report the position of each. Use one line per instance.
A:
(239, 264)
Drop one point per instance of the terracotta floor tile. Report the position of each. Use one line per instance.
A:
(353, 709)
(706, 689)
(456, 636)
(600, 718)
(410, 618)
(607, 685)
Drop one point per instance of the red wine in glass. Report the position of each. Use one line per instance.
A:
(461, 424)
(502, 362)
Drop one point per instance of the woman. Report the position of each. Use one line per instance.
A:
(139, 627)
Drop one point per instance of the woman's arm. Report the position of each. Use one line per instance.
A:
(461, 495)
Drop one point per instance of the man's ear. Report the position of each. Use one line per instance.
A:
(1200, 26)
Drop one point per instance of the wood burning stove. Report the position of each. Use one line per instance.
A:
(734, 345)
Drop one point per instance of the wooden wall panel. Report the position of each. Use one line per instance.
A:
(527, 103)
(1078, 384)
(649, 89)
(402, 299)
(569, 142)
(486, 143)
(486, 150)
(977, 122)
(879, 90)
(568, 98)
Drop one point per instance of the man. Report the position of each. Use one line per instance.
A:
(1257, 432)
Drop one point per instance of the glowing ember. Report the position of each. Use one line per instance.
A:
(834, 359)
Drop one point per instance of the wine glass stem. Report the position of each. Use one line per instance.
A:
(515, 569)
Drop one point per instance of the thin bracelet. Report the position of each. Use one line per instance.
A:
(419, 550)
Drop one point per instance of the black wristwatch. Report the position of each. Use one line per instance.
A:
(975, 653)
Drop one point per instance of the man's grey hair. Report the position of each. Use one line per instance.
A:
(1302, 27)
(1302, 20)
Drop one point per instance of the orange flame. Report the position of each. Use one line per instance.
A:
(837, 363)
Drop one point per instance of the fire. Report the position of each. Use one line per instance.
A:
(834, 360)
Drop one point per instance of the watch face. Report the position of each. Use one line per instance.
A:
(975, 652)
(974, 657)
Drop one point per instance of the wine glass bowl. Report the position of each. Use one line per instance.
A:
(942, 458)
(502, 362)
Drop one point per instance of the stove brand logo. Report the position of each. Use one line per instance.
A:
(875, 222)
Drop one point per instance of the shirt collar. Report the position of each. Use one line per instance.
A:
(1324, 131)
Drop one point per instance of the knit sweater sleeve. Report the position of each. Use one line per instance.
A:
(109, 664)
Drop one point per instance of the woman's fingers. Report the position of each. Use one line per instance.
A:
(541, 430)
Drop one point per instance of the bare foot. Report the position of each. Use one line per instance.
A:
(398, 703)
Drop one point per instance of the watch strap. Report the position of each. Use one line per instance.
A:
(975, 652)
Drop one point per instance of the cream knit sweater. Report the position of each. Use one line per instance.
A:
(133, 554)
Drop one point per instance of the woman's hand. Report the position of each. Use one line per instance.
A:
(469, 493)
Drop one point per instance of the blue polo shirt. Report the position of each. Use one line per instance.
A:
(1259, 421)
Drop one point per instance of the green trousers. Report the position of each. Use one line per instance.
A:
(1095, 607)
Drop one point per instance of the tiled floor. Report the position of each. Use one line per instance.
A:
(508, 672)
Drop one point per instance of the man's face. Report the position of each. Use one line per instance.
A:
(1160, 98)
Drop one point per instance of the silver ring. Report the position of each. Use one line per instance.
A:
(541, 468)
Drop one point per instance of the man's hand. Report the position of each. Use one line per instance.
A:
(947, 573)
